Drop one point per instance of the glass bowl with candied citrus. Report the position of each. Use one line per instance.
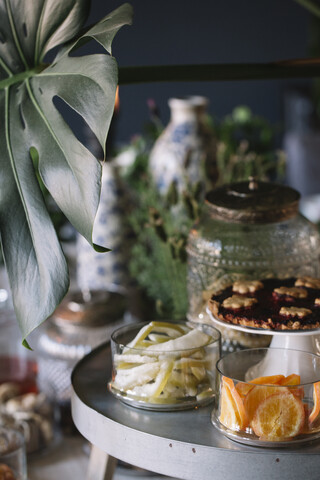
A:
(164, 365)
(268, 397)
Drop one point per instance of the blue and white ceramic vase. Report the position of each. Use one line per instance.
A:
(185, 151)
(106, 271)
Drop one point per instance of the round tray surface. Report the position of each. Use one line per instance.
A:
(181, 444)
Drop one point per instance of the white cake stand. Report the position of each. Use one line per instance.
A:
(305, 340)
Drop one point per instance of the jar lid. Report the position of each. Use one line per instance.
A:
(90, 308)
(253, 202)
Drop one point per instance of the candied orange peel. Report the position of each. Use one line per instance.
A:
(316, 403)
(257, 395)
(279, 417)
(270, 406)
(232, 411)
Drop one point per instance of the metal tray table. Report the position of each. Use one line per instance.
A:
(181, 444)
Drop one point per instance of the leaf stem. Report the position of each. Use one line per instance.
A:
(37, 44)
(20, 77)
(5, 68)
(220, 72)
(15, 36)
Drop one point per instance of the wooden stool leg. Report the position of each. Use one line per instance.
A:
(101, 465)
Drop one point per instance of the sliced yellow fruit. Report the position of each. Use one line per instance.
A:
(316, 402)
(199, 372)
(268, 380)
(232, 412)
(292, 379)
(168, 327)
(181, 380)
(193, 339)
(258, 394)
(141, 335)
(188, 362)
(153, 390)
(279, 417)
(243, 388)
(143, 374)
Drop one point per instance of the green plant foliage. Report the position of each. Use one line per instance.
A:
(33, 132)
(246, 147)
(161, 224)
(158, 260)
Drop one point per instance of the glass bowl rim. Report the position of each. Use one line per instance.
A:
(246, 350)
(217, 338)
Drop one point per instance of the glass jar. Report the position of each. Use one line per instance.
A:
(248, 230)
(83, 321)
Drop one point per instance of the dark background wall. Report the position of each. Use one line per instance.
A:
(206, 31)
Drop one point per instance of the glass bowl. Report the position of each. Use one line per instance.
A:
(278, 409)
(164, 365)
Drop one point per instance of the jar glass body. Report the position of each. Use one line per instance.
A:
(221, 252)
(77, 326)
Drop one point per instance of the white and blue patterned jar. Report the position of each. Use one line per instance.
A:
(185, 151)
(106, 271)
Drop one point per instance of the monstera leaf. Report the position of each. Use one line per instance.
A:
(32, 127)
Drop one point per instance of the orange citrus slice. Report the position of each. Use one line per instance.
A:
(316, 402)
(257, 395)
(243, 388)
(291, 381)
(232, 412)
(228, 412)
(313, 427)
(279, 417)
(268, 380)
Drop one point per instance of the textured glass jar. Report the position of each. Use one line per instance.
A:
(248, 230)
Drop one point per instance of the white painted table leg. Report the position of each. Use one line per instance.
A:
(101, 465)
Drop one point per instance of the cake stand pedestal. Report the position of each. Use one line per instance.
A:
(305, 340)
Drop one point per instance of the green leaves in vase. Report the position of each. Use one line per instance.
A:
(33, 132)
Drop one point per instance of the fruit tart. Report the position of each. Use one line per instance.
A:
(270, 303)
